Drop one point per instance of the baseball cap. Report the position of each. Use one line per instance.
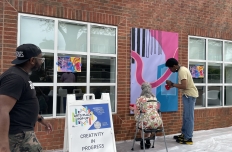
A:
(26, 51)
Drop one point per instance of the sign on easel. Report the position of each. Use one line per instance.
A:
(88, 125)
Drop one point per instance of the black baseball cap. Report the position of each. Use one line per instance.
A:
(24, 52)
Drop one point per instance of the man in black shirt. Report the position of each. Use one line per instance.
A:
(19, 106)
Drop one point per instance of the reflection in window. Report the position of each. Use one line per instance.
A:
(228, 52)
(102, 69)
(228, 73)
(197, 48)
(42, 29)
(45, 98)
(215, 50)
(45, 73)
(62, 92)
(71, 42)
(218, 67)
(72, 37)
(200, 101)
(98, 90)
(214, 73)
(214, 96)
(103, 40)
(228, 95)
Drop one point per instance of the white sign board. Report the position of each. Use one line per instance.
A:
(88, 125)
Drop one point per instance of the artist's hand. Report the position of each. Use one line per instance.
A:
(169, 83)
(131, 108)
(47, 125)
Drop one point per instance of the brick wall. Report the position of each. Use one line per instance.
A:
(209, 18)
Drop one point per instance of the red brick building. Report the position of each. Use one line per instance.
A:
(206, 21)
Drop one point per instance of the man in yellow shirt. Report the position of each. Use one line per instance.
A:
(189, 95)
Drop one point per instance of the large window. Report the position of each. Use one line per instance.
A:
(79, 57)
(210, 62)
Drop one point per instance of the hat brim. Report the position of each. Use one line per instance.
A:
(17, 61)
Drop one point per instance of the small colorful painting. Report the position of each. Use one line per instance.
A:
(197, 71)
(69, 64)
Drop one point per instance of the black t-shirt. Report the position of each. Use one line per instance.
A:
(16, 83)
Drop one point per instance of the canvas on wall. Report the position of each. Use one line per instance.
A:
(149, 51)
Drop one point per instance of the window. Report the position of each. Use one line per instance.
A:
(210, 63)
(79, 57)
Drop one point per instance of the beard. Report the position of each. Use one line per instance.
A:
(36, 67)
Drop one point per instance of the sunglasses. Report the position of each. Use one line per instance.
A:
(42, 59)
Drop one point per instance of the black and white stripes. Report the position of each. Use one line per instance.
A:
(144, 43)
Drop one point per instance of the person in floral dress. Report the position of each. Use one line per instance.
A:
(150, 118)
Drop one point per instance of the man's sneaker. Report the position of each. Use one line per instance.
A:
(185, 141)
(181, 136)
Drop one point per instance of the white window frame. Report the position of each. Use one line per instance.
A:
(88, 54)
(206, 61)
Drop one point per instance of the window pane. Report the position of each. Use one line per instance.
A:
(102, 69)
(72, 37)
(228, 95)
(214, 98)
(103, 40)
(37, 31)
(98, 90)
(228, 52)
(197, 70)
(62, 92)
(214, 73)
(215, 50)
(45, 73)
(71, 68)
(228, 73)
(200, 101)
(197, 48)
(45, 98)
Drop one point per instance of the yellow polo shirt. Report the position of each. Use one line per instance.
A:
(191, 90)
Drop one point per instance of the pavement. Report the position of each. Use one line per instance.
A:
(214, 140)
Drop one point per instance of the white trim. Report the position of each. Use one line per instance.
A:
(71, 84)
(192, 36)
(223, 74)
(107, 55)
(47, 51)
(116, 73)
(43, 84)
(200, 84)
(71, 52)
(55, 69)
(102, 25)
(66, 20)
(88, 59)
(36, 16)
(214, 84)
(102, 84)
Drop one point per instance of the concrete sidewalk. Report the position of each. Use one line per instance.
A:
(214, 140)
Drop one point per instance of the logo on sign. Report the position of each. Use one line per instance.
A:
(31, 85)
(97, 125)
(82, 117)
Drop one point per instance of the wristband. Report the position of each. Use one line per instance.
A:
(40, 119)
(172, 84)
